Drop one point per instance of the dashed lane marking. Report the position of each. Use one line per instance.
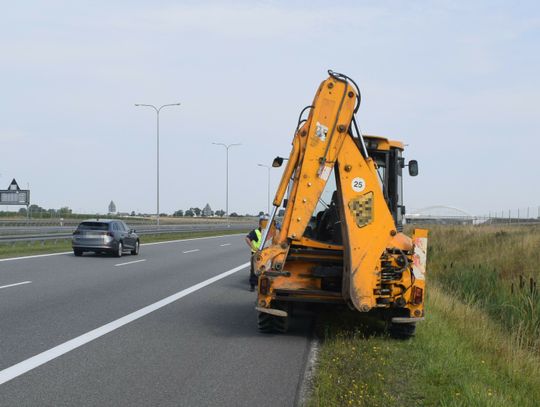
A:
(13, 285)
(129, 262)
(35, 256)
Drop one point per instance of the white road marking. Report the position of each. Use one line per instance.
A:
(129, 262)
(34, 256)
(40, 359)
(307, 384)
(224, 244)
(142, 244)
(13, 285)
(191, 251)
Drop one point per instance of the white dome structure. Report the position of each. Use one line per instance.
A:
(441, 214)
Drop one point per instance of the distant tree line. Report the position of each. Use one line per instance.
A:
(205, 212)
(36, 211)
(196, 211)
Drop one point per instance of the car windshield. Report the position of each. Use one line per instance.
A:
(93, 226)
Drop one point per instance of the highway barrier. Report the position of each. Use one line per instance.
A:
(48, 235)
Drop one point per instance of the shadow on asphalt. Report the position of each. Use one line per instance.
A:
(92, 255)
(235, 315)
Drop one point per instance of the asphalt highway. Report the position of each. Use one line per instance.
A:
(174, 326)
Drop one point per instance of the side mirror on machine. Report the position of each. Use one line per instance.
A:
(277, 162)
(413, 168)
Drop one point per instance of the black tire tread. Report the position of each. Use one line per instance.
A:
(272, 324)
(401, 331)
(264, 322)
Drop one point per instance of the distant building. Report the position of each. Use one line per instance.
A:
(112, 207)
(207, 211)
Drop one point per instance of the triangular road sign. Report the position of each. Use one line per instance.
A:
(14, 186)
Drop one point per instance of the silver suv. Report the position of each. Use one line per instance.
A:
(104, 236)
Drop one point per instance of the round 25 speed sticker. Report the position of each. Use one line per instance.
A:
(358, 184)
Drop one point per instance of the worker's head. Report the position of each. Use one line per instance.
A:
(263, 221)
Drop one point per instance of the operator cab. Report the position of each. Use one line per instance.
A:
(388, 155)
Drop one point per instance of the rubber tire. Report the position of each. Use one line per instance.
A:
(281, 324)
(265, 322)
(77, 252)
(119, 250)
(137, 248)
(401, 331)
(272, 324)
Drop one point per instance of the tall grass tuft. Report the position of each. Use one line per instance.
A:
(494, 267)
(479, 343)
(459, 357)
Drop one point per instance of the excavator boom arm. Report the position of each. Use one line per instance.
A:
(376, 266)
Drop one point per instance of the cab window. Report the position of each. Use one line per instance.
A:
(324, 225)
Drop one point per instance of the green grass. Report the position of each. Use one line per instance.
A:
(63, 245)
(496, 268)
(479, 345)
(459, 357)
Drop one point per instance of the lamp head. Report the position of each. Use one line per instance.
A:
(278, 161)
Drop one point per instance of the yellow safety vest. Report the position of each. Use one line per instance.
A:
(257, 244)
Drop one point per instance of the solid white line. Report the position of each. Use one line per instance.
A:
(13, 285)
(225, 244)
(143, 244)
(307, 385)
(191, 251)
(34, 256)
(44, 357)
(129, 262)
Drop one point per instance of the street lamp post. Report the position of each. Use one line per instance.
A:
(227, 146)
(268, 168)
(157, 109)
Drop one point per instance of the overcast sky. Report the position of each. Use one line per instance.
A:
(459, 82)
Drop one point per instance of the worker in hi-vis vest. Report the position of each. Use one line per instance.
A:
(253, 240)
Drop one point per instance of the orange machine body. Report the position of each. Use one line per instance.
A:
(352, 251)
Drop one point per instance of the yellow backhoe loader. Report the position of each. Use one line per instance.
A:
(340, 239)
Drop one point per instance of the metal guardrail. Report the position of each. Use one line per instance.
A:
(142, 232)
(10, 227)
(468, 220)
(136, 221)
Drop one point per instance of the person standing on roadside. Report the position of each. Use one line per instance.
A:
(253, 240)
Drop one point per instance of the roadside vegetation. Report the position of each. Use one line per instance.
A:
(497, 269)
(63, 245)
(479, 345)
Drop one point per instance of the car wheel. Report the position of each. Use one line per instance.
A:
(136, 249)
(77, 252)
(119, 250)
